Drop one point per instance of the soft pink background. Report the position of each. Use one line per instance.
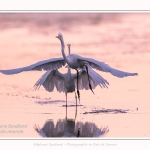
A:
(120, 40)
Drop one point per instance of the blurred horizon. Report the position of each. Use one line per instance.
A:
(101, 34)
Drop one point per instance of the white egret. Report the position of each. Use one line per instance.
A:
(77, 62)
(74, 61)
(67, 82)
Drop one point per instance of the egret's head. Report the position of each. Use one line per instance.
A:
(68, 45)
(68, 48)
(59, 36)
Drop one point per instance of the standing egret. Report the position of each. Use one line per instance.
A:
(77, 62)
(67, 82)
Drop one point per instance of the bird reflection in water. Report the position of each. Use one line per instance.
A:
(68, 128)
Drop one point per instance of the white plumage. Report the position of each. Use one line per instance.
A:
(73, 60)
(78, 62)
(53, 78)
(68, 82)
(49, 64)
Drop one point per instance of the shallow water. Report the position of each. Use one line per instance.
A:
(120, 40)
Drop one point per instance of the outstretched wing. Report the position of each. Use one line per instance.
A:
(95, 79)
(50, 80)
(98, 78)
(50, 64)
(101, 132)
(43, 78)
(101, 66)
(39, 131)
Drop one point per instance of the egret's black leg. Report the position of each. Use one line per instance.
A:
(89, 79)
(78, 134)
(66, 105)
(77, 85)
(76, 106)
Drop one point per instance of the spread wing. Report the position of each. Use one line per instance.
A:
(101, 66)
(39, 131)
(50, 64)
(95, 79)
(50, 80)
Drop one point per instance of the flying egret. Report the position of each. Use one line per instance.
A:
(77, 62)
(67, 82)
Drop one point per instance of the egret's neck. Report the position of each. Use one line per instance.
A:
(62, 50)
(69, 71)
(69, 50)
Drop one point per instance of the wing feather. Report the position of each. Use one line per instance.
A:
(101, 66)
(50, 64)
(50, 80)
(98, 78)
(42, 79)
(95, 79)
